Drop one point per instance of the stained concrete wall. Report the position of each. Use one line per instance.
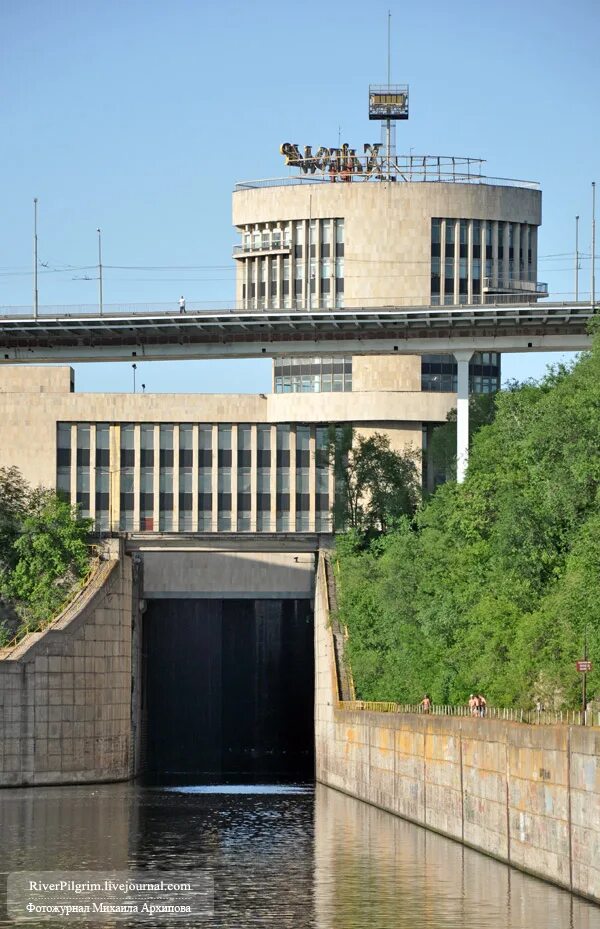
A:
(65, 694)
(228, 574)
(528, 795)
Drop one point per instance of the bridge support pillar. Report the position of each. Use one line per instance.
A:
(462, 414)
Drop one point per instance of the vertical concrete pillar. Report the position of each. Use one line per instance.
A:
(73, 464)
(253, 476)
(115, 477)
(495, 269)
(137, 472)
(215, 477)
(234, 477)
(292, 478)
(525, 243)
(462, 414)
(456, 261)
(93, 471)
(312, 479)
(156, 480)
(195, 444)
(273, 480)
(470, 243)
(176, 477)
(331, 494)
(516, 251)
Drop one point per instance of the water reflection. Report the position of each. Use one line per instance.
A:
(285, 857)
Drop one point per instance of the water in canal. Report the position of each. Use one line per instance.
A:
(289, 856)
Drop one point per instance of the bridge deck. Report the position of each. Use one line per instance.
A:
(120, 336)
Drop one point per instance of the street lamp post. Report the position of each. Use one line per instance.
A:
(593, 243)
(100, 269)
(35, 260)
(134, 366)
(576, 258)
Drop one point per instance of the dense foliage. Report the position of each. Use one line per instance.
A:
(494, 584)
(44, 552)
(375, 484)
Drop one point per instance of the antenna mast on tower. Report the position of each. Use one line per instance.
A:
(389, 102)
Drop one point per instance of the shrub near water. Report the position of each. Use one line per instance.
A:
(494, 584)
(44, 552)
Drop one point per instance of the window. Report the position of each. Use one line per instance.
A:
(186, 437)
(126, 493)
(439, 373)
(102, 477)
(224, 479)
(63, 461)
(165, 480)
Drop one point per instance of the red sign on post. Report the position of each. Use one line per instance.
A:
(583, 666)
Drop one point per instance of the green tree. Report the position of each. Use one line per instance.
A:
(441, 454)
(375, 484)
(52, 554)
(492, 585)
(15, 497)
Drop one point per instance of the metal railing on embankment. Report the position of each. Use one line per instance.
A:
(531, 717)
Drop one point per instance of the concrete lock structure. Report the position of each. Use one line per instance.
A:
(352, 232)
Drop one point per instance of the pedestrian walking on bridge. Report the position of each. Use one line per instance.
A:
(182, 304)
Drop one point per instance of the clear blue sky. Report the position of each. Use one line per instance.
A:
(140, 116)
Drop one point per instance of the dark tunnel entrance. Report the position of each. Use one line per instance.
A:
(228, 687)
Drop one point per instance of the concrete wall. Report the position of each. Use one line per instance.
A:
(65, 694)
(228, 575)
(528, 795)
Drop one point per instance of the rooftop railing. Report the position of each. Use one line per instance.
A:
(334, 165)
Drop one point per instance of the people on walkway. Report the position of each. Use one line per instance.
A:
(182, 304)
(473, 705)
(481, 705)
(425, 704)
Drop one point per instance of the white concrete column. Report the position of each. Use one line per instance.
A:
(273, 480)
(137, 443)
(292, 478)
(215, 477)
(115, 476)
(253, 475)
(73, 464)
(156, 480)
(312, 479)
(93, 471)
(176, 477)
(517, 251)
(195, 443)
(495, 267)
(462, 414)
(234, 477)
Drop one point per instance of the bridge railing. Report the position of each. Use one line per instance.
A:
(502, 302)
(510, 714)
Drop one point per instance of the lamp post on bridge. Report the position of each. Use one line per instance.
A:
(35, 260)
(100, 269)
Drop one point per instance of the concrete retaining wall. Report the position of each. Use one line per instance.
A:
(65, 694)
(528, 795)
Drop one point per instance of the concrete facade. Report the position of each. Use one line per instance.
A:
(34, 402)
(527, 795)
(65, 694)
(387, 230)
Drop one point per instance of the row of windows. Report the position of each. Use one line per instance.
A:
(151, 473)
(474, 259)
(305, 269)
(439, 373)
(313, 375)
